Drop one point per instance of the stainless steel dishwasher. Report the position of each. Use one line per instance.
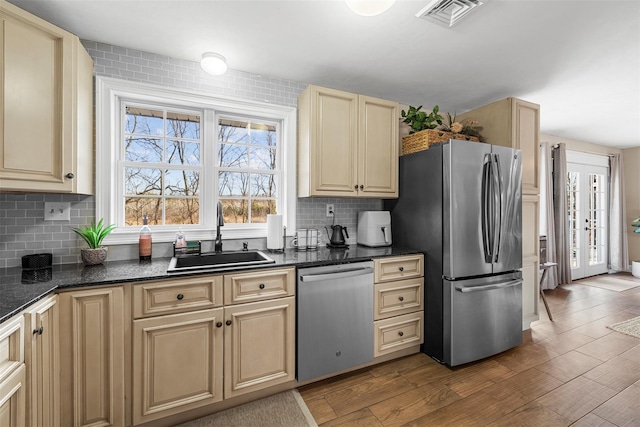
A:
(335, 318)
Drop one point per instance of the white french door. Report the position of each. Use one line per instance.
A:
(587, 208)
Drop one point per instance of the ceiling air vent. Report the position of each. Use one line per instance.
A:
(448, 12)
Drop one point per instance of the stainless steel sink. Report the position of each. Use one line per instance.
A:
(218, 261)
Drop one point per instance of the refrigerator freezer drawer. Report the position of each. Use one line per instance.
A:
(483, 317)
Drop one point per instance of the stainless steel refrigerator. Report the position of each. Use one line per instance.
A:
(461, 204)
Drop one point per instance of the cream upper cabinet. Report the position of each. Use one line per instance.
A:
(42, 360)
(347, 145)
(513, 123)
(92, 357)
(46, 135)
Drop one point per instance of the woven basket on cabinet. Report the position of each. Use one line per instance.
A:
(422, 140)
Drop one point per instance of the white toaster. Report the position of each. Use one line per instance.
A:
(374, 228)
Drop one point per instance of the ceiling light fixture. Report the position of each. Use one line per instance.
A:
(369, 7)
(448, 12)
(213, 63)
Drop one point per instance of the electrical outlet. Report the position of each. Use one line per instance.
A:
(57, 211)
(330, 210)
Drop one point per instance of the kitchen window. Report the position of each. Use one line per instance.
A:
(172, 155)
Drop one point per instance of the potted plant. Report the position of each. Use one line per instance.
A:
(94, 234)
(635, 265)
(419, 120)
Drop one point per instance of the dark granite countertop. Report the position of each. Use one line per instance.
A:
(20, 288)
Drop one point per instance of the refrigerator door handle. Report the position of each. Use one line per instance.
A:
(497, 197)
(466, 289)
(486, 210)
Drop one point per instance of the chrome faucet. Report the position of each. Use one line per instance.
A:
(218, 244)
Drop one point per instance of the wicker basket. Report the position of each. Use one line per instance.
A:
(422, 140)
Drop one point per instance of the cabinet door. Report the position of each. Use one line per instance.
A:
(13, 398)
(41, 356)
(333, 151)
(177, 363)
(34, 87)
(259, 345)
(378, 135)
(92, 337)
(526, 125)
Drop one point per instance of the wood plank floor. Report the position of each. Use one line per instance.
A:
(573, 371)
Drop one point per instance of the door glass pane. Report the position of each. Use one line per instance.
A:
(573, 211)
(597, 218)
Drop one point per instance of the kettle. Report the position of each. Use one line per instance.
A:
(337, 235)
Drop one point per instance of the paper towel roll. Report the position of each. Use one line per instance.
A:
(274, 231)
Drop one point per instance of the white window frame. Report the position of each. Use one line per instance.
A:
(110, 93)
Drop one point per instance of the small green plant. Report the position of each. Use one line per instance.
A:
(419, 120)
(94, 234)
(636, 223)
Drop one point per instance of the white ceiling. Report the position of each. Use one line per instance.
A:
(578, 59)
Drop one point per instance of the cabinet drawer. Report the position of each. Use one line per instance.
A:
(176, 296)
(397, 333)
(398, 268)
(11, 345)
(395, 298)
(259, 285)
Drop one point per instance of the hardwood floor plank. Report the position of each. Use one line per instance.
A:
(329, 385)
(525, 357)
(617, 373)
(566, 341)
(367, 393)
(608, 346)
(623, 409)
(576, 398)
(320, 410)
(531, 415)
(531, 383)
(413, 404)
(592, 420)
(361, 418)
(569, 365)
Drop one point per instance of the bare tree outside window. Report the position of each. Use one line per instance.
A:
(162, 166)
(247, 170)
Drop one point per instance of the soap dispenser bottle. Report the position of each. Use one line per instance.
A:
(181, 241)
(144, 240)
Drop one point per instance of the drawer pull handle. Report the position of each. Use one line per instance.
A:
(219, 324)
(180, 297)
(401, 268)
(38, 331)
(228, 322)
(70, 175)
(261, 286)
(401, 298)
(401, 333)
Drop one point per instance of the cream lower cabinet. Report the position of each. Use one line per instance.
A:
(46, 87)
(398, 303)
(42, 360)
(92, 357)
(177, 363)
(13, 384)
(190, 350)
(347, 145)
(259, 345)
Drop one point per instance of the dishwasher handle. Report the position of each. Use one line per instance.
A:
(335, 275)
(465, 289)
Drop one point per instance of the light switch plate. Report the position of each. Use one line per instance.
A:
(57, 211)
